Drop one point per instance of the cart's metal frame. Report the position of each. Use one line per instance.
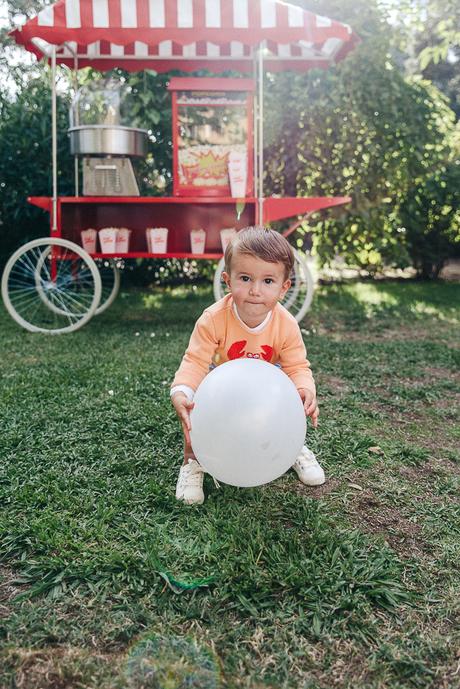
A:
(258, 75)
(270, 209)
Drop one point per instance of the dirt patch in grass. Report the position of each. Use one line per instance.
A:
(437, 439)
(336, 385)
(9, 589)
(353, 667)
(317, 492)
(349, 667)
(314, 492)
(427, 475)
(371, 333)
(60, 668)
(373, 516)
(438, 372)
(434, 373)
(437, 420)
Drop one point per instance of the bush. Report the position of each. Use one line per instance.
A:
(25, 161)
(143, 272)
(430, 216)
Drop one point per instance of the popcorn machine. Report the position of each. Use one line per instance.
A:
(212, 136)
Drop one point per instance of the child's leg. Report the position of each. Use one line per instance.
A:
(188, 452)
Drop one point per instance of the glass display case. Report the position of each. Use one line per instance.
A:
(100, 122)
(101, 102)
(212, 136)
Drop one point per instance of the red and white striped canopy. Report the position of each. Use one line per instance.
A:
(185, 34)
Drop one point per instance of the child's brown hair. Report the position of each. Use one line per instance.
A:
(262, 243)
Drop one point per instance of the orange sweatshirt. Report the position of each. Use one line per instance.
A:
(220, 335)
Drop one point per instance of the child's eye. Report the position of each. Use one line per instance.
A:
(268, 281)
(245, 278)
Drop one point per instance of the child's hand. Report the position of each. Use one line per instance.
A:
(183, 407)
(310, 405)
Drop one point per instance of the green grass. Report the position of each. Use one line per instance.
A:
(109, 583)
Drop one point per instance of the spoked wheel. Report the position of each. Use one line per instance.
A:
(51, 286)
(297, 299)
(110, 280)
(110, 284)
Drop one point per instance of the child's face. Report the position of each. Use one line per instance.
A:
(256, 286)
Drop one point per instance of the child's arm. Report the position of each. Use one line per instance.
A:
(310, 405)
(199, 353)
(193, 368)
(294, 362)
(183, 407)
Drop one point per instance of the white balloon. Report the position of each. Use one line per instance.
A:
(248, 423)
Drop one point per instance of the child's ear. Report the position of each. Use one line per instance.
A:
(226, 278)
(284, 289)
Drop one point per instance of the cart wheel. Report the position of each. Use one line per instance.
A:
(51, 286)
(110, 283)
(297, 299)
(110, 280)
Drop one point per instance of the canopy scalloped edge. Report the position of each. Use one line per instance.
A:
(185, 34)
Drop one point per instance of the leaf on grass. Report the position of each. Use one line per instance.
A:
(376, 450)
(316, 624)
(247, 605)
(355, 485)
(335, 556)
(180, 586)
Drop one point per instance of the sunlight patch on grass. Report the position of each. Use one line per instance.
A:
(367, 293)
(421, 308)
(152, 301)
(184, 291)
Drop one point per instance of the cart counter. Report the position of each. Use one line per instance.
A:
(179, 215)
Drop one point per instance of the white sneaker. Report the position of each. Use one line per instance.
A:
(307, 468)
(189, 487)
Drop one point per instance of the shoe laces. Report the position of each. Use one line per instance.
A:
(304, 462)
(194, 472)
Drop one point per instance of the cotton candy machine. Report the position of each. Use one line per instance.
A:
(101, 137)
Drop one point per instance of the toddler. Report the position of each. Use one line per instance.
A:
(247, 322)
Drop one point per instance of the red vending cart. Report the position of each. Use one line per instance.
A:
(54, 284)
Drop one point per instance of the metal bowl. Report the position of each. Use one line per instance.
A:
(105, 140)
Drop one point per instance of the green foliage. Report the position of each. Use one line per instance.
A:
(142, 272)
(363, 130)
(427, 32)
(430, 214)
(25, 159)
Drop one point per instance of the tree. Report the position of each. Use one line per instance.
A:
(361, 129)
(25, 160)
(430, 217)
(428, 36)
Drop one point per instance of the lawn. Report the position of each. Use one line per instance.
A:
(109, 583)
